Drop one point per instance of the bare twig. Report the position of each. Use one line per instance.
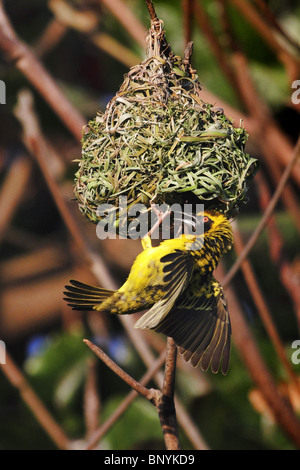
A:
(118, 412)
(150, 394)
(271, 18)
(128, 20)
(68, 16)
(188, 16)
(12, 189)
(50, 37)
(151, 10)
(18, 53)
(37, 146)
(278, 256)
(262, 306)
(184, 419)
(258, 370)
(291, 62)
(218, 51)
(163, 401)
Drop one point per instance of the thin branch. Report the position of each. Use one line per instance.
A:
(291, 62)
(170, 369)
(266, 216)
(271, 18)
(262, 307)
(53, 33)
(217, 50)
(69, 17)
(278, 256)
(118, 412)
(127, 19)
(163, 401)
(38, 147)
(258, 370)
(151, 394)
(184, 419)
(151, 10)
(188, 7)
(22, 57)
(12, 189)
(161, 216)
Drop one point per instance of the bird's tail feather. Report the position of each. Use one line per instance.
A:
(82, 296)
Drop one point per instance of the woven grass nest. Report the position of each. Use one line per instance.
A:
(159, 142)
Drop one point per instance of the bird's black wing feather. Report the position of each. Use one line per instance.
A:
(201, 328)
(82, 296)
(177, 269)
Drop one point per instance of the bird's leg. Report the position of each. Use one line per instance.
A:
(146, 240)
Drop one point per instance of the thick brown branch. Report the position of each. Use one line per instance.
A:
(262, 307)
(37, 146)
(277, 251)
(12, 190)
(271, 18)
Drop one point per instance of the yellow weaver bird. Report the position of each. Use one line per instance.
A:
(175, 282)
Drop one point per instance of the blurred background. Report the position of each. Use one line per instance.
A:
(61, 62)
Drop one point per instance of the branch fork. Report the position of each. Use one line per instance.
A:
(163, 400)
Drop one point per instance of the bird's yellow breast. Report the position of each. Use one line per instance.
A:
(147, 268)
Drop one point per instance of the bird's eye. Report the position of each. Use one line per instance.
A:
(207, 223)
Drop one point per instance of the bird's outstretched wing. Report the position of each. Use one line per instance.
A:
(177, 269)
(82, 296)
(200, 327)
